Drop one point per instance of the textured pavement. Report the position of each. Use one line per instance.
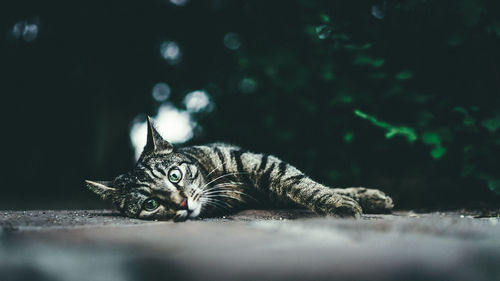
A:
(251, 245)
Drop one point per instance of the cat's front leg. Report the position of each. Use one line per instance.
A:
(323, 200)
(371, 200)
(290, 184)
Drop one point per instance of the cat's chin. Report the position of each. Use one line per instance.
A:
(195, 213)
(181, 215)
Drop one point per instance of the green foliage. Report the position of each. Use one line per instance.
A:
(468, 120)
(432, 139)
(404, 75)
(364, 60)
(348, 136)
(491, 124)
(494, 185)
(392, 130)
(470, 10)
(423, 72)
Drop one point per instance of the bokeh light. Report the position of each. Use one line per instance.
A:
(197, 101)
(232, 41)
(173, 124)
(179, 2)
(247, 85)
(161, 91)
(378, 12)
(171, 52)
(323, 31)
(26, 29)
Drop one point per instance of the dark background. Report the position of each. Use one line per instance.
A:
(289, 82)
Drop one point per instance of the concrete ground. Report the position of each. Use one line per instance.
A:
(251, 245)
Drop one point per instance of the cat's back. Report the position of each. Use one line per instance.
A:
(223, 145)
(217, 152)
(212, 147)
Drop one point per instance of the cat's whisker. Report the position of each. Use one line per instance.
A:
(223, 185)
(218, 192)
(222, 188)
(214, 199)
(229, 191)
(225, 175)
(210, 204)
(233, 184)
(197, 194)
(218, 203)
(224, 191)
(228, 196)
(216, 169)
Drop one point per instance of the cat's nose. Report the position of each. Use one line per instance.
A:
(184, 203)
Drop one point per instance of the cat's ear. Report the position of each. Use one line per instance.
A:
(101, 188)
(155, 141)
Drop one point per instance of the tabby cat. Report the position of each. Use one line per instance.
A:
(216, 179)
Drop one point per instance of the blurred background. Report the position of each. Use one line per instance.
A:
(399, 95)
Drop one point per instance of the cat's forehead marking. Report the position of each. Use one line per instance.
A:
(144, 189)
(167, 159)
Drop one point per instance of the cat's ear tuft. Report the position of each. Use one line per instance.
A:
(155, 141)
(101, 188)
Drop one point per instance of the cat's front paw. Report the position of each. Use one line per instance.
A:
(372, 200)
(342, 206)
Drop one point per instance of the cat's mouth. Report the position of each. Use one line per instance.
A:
(188, 209)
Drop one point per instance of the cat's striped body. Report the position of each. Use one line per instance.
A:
(210, 180)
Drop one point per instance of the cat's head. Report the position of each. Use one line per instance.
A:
(163, 185)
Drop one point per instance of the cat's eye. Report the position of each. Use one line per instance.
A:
(151, 205)
(174, 175)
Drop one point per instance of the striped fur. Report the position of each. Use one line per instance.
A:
(217, 179)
